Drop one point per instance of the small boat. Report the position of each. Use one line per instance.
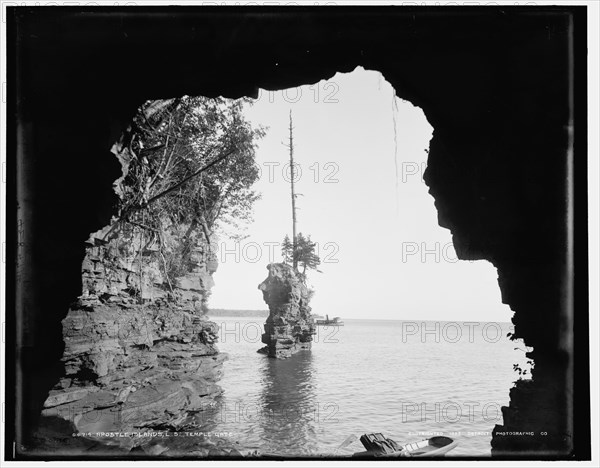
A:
(379, 446)
(335, 322)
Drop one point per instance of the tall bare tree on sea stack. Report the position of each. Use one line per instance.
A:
(293, 192)
(300, 249)
(290, 326)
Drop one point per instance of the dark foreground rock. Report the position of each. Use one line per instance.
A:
(55, 438)
(290, 326)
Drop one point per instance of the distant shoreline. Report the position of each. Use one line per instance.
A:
(265, 313)
(419, 320)
(237, 313)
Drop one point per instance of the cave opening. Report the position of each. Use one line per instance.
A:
(361, 155)
(360, 170)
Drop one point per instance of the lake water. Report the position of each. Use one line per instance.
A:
(405, 379)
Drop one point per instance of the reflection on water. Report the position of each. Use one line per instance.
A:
(272, 407)
(289, 404)
(363, 378)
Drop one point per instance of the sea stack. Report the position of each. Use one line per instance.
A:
(290, 326)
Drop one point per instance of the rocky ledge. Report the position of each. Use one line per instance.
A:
(140, 354)
(139, 367)
(290, 326)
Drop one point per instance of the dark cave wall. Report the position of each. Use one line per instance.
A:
(492, 82)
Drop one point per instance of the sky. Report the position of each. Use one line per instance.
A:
(361, 153)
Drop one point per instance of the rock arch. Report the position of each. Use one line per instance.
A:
(494, 83)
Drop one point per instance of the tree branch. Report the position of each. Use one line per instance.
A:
(187, 179)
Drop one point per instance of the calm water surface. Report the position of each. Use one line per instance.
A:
(404, 379)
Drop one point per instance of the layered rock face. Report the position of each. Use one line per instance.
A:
(290, 326)
(139, 353)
